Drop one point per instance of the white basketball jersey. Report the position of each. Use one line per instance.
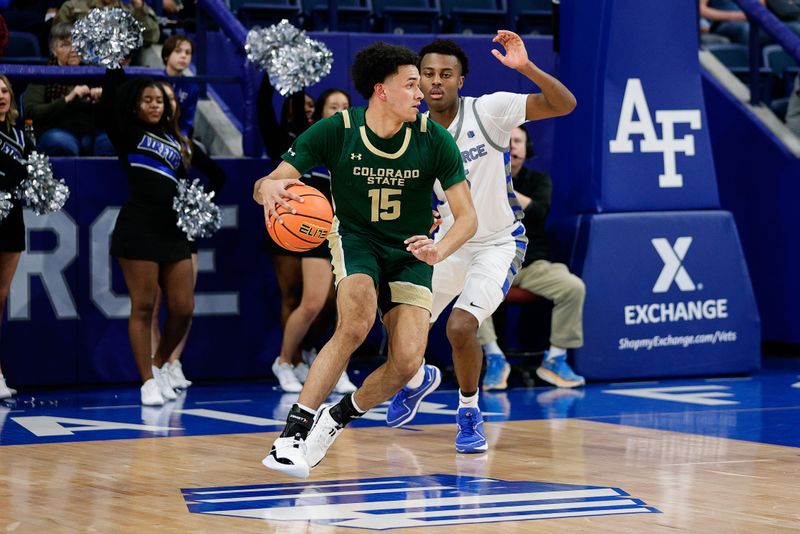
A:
(482, 130)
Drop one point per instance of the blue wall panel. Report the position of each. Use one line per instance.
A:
(759, 181)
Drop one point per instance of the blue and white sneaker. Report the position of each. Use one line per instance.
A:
(497, 371)
(470, 438)
(406, 402)
(557, 371)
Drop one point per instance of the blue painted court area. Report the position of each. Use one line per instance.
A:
(763, 408)
(412, 501)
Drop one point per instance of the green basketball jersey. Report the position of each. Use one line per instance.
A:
(381, 187)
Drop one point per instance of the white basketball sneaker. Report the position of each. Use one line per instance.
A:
(285, 375)
(164, 386)
(5, 391)
(151, 396)
(301, 371)
(343, 385)
(288, 455)
(176, 373)
(322, 435)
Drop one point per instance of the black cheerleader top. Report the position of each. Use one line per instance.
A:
(14, 146)
(150, 157)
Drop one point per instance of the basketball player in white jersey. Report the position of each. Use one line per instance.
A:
(479, 274)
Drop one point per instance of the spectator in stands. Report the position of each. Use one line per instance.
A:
(305, 279)
(549, 280)
(3, 36)
(728, 19)
(13, 146)
(31, 16)
(793, 110)
(72, 10)
(172, 369)
(177, 56)
(64, 115)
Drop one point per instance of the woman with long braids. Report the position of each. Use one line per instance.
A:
(172, 369)
(13, 147)
(152, 251)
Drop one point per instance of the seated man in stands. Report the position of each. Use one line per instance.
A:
(64, 115)
(728, 19)
(549, 280)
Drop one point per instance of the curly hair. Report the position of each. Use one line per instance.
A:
(377, 62)
(447, 47)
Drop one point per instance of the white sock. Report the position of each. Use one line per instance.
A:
(307, 409)
(555, 352)
(492, 348)
(467, 402)
(416, 381)
(353, 400)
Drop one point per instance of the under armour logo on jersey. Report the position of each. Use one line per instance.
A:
(292, 152)
(470, 134)
(353, 155)
(634, 101)
(673, 270)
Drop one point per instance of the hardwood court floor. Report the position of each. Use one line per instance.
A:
(699, 483)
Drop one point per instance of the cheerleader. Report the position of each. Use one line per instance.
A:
(172, 369)
(14, 146)
(152, 251)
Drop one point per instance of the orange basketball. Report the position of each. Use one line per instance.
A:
(308, 227)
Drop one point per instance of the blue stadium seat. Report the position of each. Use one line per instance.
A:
(474, 16)
(266, 12)
(407, 16)
(782, 66)
(353, 15)
(535, 16)
(23, 48)
(733, 56)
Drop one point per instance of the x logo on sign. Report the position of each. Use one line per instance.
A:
(673, 270)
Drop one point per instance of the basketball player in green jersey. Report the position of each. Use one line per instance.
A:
(383, 160)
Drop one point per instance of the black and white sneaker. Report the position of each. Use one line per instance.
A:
(288, 455)
(322, 435)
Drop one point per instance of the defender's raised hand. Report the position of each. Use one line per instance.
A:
(516, 55)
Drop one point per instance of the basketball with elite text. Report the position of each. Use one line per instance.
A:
(308, 227)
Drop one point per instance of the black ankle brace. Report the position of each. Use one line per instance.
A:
(343, 411)
(299, 421)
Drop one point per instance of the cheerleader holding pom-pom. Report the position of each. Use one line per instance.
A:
(152, 249)
(26, 176)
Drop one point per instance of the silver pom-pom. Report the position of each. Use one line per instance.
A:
(107, 36)
(292, 69)
(292, 60)
(198, 216)
(5, 204)
(262, 42)
(43, 192)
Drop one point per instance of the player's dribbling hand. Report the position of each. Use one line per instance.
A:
(516, 55)
(423, 248)
(271, 193)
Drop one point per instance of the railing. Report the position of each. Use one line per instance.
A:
(230, 26)
(760, 17)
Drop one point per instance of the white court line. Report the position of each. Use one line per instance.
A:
(635, 383)
(115, 407)
(224, 401)
(725, 462)
(315, 486)
(736, 474)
